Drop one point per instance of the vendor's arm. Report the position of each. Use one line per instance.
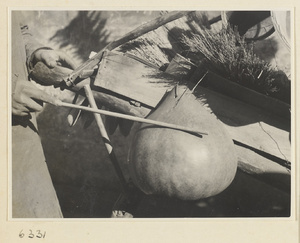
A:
(36, 52)
(26, 97)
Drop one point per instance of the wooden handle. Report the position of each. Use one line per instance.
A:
(49, 76)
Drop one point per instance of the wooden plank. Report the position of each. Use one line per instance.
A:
(249, 96)
(33, 194)
(249, 125)
(133, 79)
(263, 169)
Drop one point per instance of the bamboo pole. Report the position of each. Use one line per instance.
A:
(147, 27)
(133, 118)
(141, 30)
(106, 139)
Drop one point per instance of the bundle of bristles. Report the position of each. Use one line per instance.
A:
(229, 55)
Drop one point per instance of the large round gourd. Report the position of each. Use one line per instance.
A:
(179, 164)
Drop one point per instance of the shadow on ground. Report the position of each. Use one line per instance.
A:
(87, 186)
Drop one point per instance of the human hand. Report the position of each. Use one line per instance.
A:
(26, 97)
(53, 58)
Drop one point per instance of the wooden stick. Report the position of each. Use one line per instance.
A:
(141, 30)
(147, 27)
(133, 118)
(105, 138)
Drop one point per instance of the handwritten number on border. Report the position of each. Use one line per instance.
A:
(30, 234)
(38, 234)
(21, 234)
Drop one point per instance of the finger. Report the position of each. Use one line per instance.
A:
(41, 95)
(23, 113)
(66, 60)
(33, 105)
(19, 110)
(19, 104)
(19, 113)
(50, 59)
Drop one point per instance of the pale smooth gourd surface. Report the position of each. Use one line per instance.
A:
(179, 164)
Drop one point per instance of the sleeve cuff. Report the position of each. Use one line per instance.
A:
(30, 60)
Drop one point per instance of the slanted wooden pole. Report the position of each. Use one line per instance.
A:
(133, 118)
(105, 138)
(147, 27)
(141, 30)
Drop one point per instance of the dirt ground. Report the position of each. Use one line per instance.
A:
(84, 179)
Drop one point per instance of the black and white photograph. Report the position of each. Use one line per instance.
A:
(124, 115)
(151, 114)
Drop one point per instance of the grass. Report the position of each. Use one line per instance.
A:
(229, 55)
